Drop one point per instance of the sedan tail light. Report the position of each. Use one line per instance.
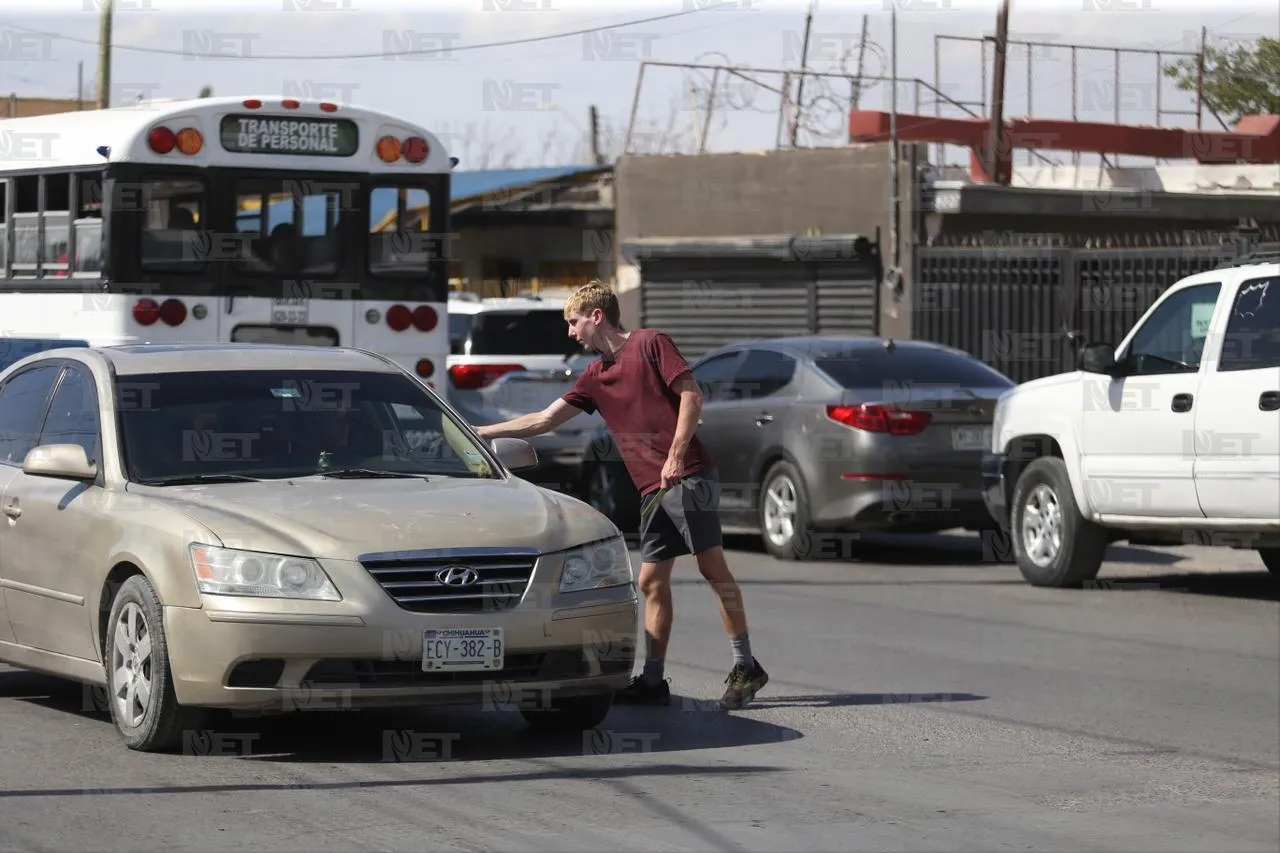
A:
(470, 377)
(885, 419)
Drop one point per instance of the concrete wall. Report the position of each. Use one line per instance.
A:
(834, 190)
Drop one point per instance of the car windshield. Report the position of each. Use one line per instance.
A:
(221, 425)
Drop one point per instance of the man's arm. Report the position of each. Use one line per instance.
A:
(690, 411)
(534, 423)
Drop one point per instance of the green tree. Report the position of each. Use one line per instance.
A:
(206, 92)
(1238, 80)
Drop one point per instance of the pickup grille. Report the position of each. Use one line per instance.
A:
(414, 580)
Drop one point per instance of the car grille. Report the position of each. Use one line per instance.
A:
(412, 580)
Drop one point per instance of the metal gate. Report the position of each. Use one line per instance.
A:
(709, 293)
(1025, 310)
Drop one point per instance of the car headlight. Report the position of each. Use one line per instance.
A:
(596, 566)
(226, 571)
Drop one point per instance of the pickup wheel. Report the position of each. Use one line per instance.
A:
(1271, 559)
(1053, 544)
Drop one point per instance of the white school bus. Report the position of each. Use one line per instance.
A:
(261, 219)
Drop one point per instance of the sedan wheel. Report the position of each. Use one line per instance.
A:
(131, 666)
(784, 515)
(780, 511)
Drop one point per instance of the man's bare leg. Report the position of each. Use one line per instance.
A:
(747, 676)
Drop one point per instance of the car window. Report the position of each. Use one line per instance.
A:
(762, 373)
(22, 400)
(714, 375)
(73, 413)
(523, 332)
(874, 367)
(1172, 339)
(276, 424)
(1252, 339)
(459, 327)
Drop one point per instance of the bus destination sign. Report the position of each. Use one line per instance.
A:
(315, 136)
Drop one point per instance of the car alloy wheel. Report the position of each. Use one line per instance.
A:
(1042, 525)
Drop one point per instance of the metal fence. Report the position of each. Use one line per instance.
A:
(1024, 310)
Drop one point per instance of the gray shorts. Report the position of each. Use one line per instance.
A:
(684, 519)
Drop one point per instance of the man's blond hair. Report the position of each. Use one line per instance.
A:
(595, 294)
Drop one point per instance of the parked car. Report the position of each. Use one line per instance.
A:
(273, 528)
(512, 356)
(821, 435)
(1171, 438)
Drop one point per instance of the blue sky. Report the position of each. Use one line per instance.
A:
(528, 104)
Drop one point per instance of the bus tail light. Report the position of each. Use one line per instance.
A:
(471, 377)
(162, 140)
(388, 149)
(173, 312)
(425, 367)
(399, 317)
(190, 141)
(415, 149)
(146, 311)
(425, 318)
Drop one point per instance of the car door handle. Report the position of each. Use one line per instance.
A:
(1269, 401)
(1181, 403)
(765, 418)
(13, 511)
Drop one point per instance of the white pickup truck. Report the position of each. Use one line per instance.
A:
(1171, 438)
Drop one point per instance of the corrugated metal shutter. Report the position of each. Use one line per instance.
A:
(848, 301)
(704, 304)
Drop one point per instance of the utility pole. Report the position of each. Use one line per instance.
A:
(995, 135)
(79, 85)
(596, 156)
(104, 57)
(895, 201)
(804, 66)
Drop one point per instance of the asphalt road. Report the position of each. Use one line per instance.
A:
(920, 700)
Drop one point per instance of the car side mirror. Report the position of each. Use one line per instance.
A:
(62, 461)
(1098, 358)
(515, 454)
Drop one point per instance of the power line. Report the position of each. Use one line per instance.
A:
(383, 53)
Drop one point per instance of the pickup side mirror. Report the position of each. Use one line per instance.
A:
(1098, 358)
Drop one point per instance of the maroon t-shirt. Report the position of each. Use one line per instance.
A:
(632, 391)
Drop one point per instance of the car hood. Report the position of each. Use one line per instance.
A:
(343, 519)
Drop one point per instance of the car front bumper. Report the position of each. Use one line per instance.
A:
(993, 488)
(282, 656)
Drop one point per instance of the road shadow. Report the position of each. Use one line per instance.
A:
(834, 700)
(935, 549)
(456, 733)
(1258, 586)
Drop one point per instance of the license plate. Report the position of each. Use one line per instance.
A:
(292, 311)
(462, 649)
(971, 438)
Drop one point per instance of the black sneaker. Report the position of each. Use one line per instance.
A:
(641, 692)
(743, 684)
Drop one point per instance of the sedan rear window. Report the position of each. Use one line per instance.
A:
(876, 367)
(540, 332)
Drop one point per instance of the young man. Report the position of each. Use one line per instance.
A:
(646, 394)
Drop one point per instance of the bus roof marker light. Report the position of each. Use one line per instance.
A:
(105, 151)
(289, 104)
(328, 107)
(252, 104)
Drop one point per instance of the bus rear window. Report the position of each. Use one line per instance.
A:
(173, 211)
(399, 219)
(290, 226)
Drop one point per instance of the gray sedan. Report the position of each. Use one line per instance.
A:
(819, 435)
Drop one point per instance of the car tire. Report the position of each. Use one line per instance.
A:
(569, 713)
(1271, 559)
(793, 540)
(1080, 544)
(135, 642)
